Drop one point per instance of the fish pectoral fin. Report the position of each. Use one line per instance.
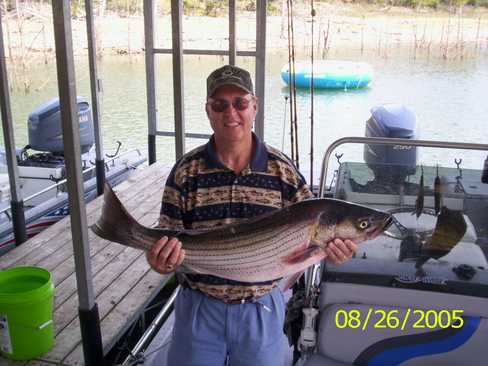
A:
(302, 254)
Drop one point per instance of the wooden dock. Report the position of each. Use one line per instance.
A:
(123, 282)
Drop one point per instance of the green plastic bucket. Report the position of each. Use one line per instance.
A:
(26, 303)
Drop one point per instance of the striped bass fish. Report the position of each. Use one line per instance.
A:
(268, 247)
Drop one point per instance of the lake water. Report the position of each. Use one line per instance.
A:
(448, 96)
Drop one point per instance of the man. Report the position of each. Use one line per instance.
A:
(233, 177)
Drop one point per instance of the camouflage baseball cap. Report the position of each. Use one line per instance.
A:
(229, 75)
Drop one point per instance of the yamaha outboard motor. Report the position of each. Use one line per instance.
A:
(45, 129)
(391, 163)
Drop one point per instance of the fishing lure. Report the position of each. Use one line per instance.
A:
(419, 202)
(437, 193)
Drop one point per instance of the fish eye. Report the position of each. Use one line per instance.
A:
(363, 224)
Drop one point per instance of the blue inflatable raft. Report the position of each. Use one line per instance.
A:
(329, 74)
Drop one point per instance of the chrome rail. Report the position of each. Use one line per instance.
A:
(61, 182)
(390, 141)
(154, 327)
(314, 270)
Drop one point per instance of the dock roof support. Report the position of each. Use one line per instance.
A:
(16, 199)
(89, 320)
(261, 6)
(232, 32)
(152, 110)
(95, 87)
(178, 82)
(177, 51)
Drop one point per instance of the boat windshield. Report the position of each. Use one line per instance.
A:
(440, 231)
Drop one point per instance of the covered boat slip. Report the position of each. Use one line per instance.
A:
(123, 282)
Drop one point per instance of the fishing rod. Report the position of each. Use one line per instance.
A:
(290, 83)
(312, 13)
(284, 126)
(295, 118)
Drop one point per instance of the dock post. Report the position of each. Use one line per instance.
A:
(152, 111)
(89, 319)
(260, 64)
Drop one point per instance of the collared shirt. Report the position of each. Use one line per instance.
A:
(201, 192)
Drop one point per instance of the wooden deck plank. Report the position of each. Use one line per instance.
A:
(61, 263)
(101, 281)
(107, 300)
(114, 278)
(113, 324)
(111, 284)
(11, 257)
(48, 242)
(128, 188)
(116, 270)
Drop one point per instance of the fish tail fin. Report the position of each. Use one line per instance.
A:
(115, 223)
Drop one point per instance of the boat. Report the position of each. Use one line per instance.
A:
(42, 171)
(330, 74)
(375, 309)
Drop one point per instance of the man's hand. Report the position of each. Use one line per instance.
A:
(339, 251)
(165, 255)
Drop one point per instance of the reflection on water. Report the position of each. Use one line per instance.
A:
(447, 97)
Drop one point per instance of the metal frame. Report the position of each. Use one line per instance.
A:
(148, 335)
(62, 182)
(178, 80)
(390, 141)
(178, 88)
(88, 310)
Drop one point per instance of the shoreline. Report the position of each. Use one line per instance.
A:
(337, 26)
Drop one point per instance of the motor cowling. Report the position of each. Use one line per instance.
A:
(391, 163)
(45, 127)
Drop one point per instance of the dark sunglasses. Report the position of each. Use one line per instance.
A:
(220, 105)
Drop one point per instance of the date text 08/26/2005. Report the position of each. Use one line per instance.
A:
(395, 319)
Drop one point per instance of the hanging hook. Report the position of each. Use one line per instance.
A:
(458, 162)
(338, 157)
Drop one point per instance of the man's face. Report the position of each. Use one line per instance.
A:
(231, 124)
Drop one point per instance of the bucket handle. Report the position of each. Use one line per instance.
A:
(44, 325)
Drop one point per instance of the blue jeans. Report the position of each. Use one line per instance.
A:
(209, 332)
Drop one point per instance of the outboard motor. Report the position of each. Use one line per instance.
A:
(391, 163)
(45, 129)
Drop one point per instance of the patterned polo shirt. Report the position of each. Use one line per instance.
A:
(201, 192)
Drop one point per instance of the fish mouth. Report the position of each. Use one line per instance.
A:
(385, 224)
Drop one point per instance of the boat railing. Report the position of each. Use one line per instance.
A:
(389, 141)
(63, 181)
(150, 332)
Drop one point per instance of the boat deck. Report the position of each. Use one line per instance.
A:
(123, 282)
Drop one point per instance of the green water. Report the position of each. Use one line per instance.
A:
(448, 96)
(21, 284)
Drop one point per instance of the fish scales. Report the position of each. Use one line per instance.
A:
(237, 240)
(245, 247)
(265, 259)
(268, 247)
(265, 256)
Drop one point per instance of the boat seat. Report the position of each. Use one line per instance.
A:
(321, 360)
(429, 346)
